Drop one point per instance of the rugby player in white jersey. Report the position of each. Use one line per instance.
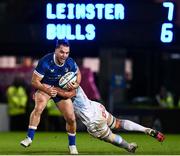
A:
(100, 122)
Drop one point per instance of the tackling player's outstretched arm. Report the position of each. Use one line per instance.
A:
(78, 77)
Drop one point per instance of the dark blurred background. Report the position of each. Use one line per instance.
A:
(127, 59)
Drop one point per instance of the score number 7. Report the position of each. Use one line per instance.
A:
(167, 28)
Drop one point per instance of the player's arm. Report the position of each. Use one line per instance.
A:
(78, 81)
(36, 83)
(75, 85)
(65, 93)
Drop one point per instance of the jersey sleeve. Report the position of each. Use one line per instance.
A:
(73, 65)
(40, 69)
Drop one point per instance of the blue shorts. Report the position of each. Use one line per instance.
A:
(57, 99)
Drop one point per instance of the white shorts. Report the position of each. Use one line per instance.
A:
(98, 126)
(91, 113)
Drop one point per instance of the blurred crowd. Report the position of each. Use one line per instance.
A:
(18, 94)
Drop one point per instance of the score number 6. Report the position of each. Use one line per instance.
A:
(167, 28)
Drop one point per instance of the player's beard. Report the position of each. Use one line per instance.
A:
(60, 61)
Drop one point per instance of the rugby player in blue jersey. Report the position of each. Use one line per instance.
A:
(45, 77)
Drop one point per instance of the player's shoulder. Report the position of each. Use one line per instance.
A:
(70, 60)
(48, 56)
(46, 59)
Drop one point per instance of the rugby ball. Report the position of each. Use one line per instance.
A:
(65, 79)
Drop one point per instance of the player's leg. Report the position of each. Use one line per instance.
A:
(66, 107)
(117, 140)
(102, 131)
(128, 125)
(41, 99)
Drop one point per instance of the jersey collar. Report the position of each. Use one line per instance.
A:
(54, 58)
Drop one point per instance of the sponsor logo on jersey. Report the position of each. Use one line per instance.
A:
(51, 70)
(66, 70)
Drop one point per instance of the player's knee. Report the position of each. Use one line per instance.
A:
(70, 118)
(98, 132)
(38, 110)
(109, 138)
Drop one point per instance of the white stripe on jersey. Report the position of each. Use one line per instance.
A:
(40, 75)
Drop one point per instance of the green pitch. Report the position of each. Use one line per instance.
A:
(56, 144)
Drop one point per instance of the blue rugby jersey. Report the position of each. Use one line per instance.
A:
(52, 72)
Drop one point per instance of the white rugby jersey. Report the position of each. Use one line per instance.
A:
(88, 111)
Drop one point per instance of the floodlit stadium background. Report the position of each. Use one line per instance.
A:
(132, 53)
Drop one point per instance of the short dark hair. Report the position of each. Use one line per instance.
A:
(63, 42)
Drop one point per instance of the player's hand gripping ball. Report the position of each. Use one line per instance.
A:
(69, 77)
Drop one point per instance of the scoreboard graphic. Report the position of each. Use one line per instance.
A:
(124, 21)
